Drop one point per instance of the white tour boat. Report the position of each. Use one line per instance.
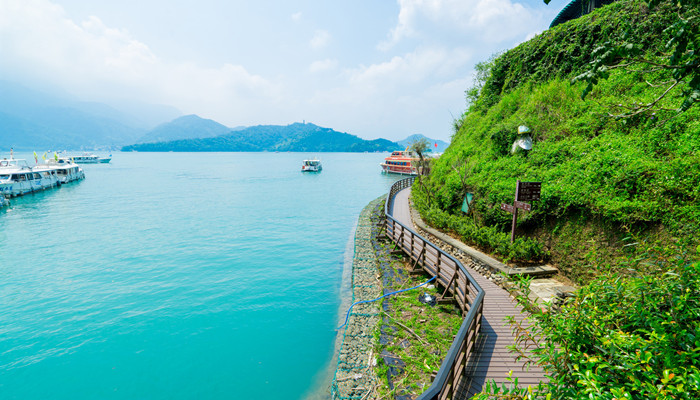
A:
(66, 170)
(311, 166)
(90, 159)
(18, 178)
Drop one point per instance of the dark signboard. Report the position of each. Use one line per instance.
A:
(529, 191)
(522, 206)
(507, 207)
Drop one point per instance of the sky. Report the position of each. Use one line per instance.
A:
(372, 68)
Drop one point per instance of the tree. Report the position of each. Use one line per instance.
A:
(420, 147)
(681, 62)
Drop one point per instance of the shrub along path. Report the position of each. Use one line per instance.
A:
(492, 360)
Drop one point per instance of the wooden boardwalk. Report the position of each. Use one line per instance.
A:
(491, 360)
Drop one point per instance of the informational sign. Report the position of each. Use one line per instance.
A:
(522, 206)
(524, 191)
(528, 191)
(507, 207)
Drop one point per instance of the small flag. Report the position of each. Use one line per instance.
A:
(36, 158)
(55, 156)
(43, 157)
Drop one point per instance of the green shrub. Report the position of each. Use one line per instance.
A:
(623, 336)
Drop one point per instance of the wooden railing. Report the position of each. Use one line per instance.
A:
(458, 286)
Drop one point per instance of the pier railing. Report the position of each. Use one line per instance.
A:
(458, 287)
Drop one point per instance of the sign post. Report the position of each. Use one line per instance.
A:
(524, 191)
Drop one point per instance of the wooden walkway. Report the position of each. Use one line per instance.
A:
(491, 360)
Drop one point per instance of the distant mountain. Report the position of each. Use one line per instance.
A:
(186, 127)
(294, 137)
(441, 146)
(35, 120)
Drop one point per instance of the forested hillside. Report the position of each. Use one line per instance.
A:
(293, 137)
(612, 173)
(619, 212)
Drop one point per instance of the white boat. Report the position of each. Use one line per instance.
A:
(311, 166)
(90, 159)
(18, 178)
(66, 170)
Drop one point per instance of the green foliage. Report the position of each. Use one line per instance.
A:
(489, 238)
(482, 72)
(682, 62)
(568, 49)
(624, 336)
(638, 174)
(421, 336)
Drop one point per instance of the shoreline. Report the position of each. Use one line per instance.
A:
(353, 375)
(358, 246)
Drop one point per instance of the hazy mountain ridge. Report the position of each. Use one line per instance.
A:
(441, 145)
(186, 127)
(293, 137)
(32, 120)
(36, 120)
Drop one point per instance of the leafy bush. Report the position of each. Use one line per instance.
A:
(486, 237)
(621, 337)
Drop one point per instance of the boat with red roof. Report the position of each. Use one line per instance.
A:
(401, 162)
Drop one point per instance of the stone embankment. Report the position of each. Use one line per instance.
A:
(355, 376)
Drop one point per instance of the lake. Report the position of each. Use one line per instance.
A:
(180, 276)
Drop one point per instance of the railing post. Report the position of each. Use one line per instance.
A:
(437, 268)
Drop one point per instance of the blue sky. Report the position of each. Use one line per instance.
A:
(370, 68)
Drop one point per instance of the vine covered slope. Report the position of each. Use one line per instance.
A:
(609, 179)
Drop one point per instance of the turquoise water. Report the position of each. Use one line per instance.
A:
(180, 276)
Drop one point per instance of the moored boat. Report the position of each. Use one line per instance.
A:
(311, 166)
(66, 170)
(18, 178)
(90, 159)
(401, 162)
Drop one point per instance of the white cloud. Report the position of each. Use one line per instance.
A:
(323, 65)
(321, 39)
(95, 61)
(422, 64)
(484, 20)
(414, 85)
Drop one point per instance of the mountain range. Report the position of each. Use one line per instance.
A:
(293, 137)
(436, 146)
(32, 119)
(186, 127)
